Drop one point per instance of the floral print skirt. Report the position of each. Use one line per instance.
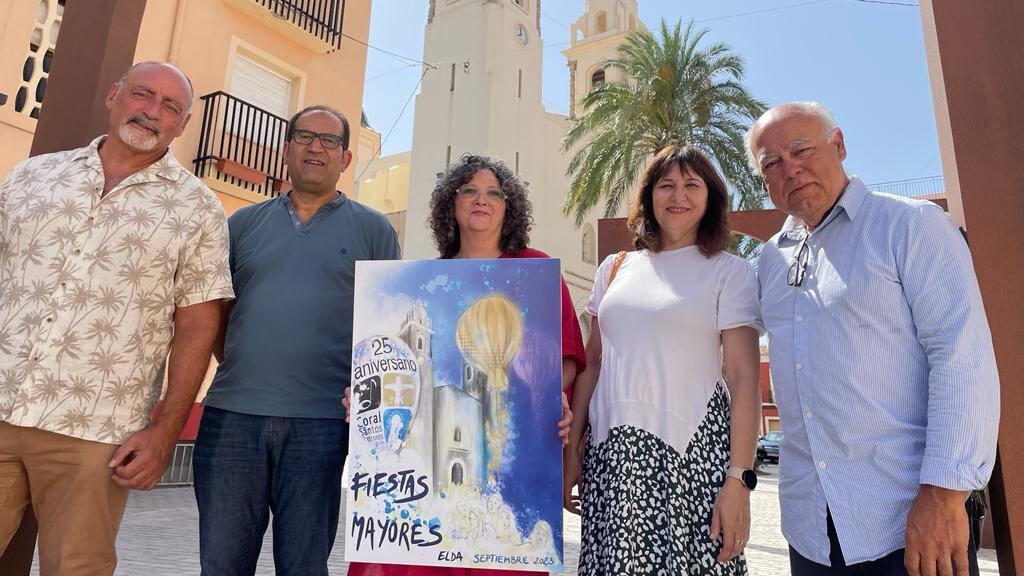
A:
(647, 508)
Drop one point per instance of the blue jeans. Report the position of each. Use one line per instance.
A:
(889, 565)
(246, 467)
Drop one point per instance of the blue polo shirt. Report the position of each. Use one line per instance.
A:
(288, 348)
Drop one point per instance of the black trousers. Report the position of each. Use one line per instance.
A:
(890, 565)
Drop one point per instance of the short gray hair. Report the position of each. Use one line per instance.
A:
(804, 108)
(147, 63)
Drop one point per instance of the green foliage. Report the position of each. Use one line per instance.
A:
(676, 92)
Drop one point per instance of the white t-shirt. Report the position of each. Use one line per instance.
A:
(661, 321)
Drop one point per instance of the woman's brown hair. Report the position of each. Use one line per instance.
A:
(713, 229)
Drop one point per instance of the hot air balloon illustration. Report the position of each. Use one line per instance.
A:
(489, 334)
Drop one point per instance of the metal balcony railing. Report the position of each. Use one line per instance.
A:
(930, 188)
(320, 18)
(914, 188)
(241, 144)
(179, 471)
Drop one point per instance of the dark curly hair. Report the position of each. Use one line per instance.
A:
(515, 229)
(713, 229)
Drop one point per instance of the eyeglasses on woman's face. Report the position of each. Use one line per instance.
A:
(492, 195)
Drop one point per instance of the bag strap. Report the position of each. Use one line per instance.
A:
(619, 258)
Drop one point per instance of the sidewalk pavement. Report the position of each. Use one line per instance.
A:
(160, 537)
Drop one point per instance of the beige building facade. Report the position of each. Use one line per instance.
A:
(384, 185)
(253, 63)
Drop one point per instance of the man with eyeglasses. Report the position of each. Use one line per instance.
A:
(273, 436)
(881, 359)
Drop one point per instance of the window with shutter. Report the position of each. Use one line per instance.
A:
(263, 103)
(261, 86)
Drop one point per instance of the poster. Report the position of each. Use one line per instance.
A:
(454, 455)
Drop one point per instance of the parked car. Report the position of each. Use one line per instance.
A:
(768, 447)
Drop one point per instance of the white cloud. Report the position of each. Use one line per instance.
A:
(375, 313)
(439, 281)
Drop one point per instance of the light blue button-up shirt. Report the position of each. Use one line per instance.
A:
(883, 370)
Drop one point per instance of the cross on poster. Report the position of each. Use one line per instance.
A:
(454, 456)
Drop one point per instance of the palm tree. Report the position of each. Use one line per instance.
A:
(676, 92)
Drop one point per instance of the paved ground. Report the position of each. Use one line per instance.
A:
(159, 536)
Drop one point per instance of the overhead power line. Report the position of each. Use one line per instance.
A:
(776, 8)
(725, 17)
(388, 52)
(548, 16)
(889, 3)
(395, 123)
(388, 73)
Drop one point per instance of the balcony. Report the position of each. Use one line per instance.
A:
(762, 224)
(316, 24)
(241, 144)
(930, 188)
(179, 469)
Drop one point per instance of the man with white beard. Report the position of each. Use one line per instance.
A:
(111, 256)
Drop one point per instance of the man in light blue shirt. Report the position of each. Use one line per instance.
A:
(881, 359)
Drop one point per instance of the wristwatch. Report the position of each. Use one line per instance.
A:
(745, 475)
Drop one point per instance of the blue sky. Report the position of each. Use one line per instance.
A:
(864, 60)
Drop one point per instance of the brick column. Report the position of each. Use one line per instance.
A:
(96, 45)
(977, 54)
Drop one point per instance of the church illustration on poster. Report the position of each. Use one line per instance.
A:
(456, 376)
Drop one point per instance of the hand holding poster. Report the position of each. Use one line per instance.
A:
(456, 384)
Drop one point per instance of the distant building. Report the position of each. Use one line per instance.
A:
(769, 411)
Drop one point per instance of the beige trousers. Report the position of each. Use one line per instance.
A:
(78, 506)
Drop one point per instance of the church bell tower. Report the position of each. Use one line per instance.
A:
(482, 96)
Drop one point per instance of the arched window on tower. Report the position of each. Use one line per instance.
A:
(469, 373)
(597, 79)
(602, 22)
(589, 244)
(419, 343)
(458, 434)
(457, 474)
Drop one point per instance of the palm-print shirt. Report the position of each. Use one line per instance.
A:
(89, 285)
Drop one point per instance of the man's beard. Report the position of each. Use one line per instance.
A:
(136, 137)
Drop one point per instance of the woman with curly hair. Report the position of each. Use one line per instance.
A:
(479, 209)
(666, 480)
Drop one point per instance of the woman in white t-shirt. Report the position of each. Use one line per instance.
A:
(665, 483)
